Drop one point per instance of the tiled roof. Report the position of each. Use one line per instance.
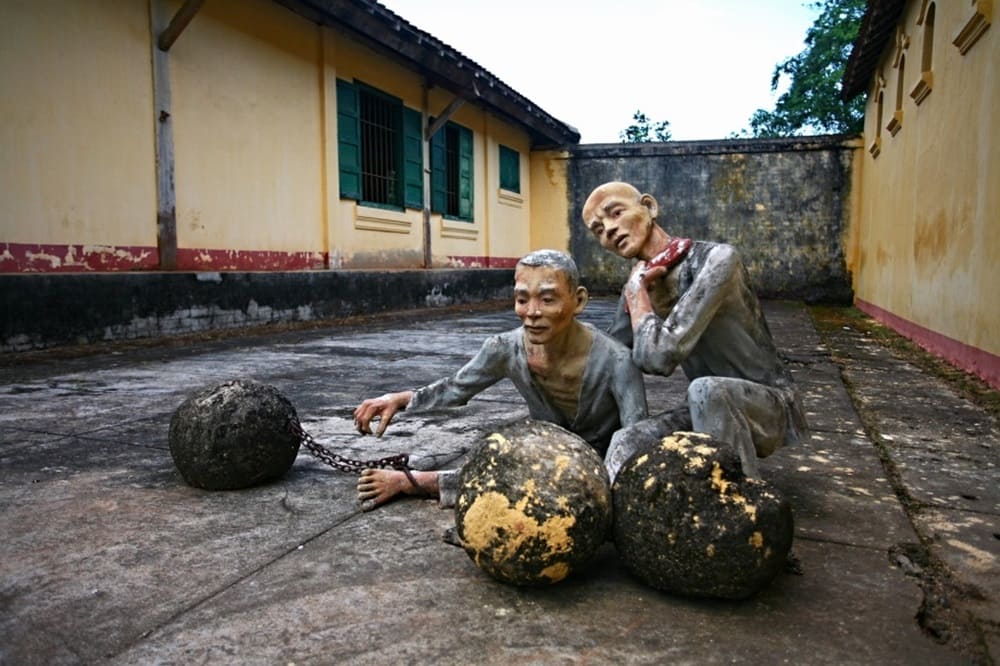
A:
(877, 28)
(379, 28)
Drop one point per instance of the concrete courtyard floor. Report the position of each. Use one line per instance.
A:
(106, 556)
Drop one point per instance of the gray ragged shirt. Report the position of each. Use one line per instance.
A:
(612, 393)
(712, 326)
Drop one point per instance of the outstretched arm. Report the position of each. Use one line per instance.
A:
(382, 408)
(485, 369)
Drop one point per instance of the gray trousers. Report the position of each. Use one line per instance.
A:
(752, 418)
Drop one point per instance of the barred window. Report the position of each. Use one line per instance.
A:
(380, 148)
(451, 171)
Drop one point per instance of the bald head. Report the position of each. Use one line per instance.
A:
(615, 188)
(622, 220)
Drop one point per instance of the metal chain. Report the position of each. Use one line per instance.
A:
(400, 461)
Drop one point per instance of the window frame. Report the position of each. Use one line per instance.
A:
(351, 150)
(455, 178)
(509, 167)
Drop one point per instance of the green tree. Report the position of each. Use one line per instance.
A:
(643, 130)
(812, 103)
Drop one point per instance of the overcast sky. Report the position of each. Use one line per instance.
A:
(703, 65)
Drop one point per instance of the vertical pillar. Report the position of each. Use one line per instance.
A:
(426, 161)
(166, 211)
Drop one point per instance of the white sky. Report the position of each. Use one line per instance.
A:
(703, 65)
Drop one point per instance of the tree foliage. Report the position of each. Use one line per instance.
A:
(812, 103)
(643, 130)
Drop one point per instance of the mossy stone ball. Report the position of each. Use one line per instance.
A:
(688, 521)
(534, 504)
(233, 435)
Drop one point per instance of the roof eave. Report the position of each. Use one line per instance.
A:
(385, 32)
(877, 27)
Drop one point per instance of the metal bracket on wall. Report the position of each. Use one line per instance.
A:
(445, 116)
(177, 24)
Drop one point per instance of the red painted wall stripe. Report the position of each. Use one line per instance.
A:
(484, 262)
(33, 258)
(248, 260)
(971, 359)
(40, 258)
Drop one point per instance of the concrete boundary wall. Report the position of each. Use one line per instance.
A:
(48, 310)
(785, 204)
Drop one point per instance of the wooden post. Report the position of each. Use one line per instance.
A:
(166, 211)
(426, 148)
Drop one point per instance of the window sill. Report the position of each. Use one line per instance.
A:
(458, 229)
(383, 220)
(974, 27)
(896, 123)
(923, 87)
(876, 147)
(510, 198)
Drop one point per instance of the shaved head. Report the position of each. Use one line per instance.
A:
(623, 220)
(614, 188)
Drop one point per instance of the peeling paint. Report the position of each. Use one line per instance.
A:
(40, 258)
(462, 261)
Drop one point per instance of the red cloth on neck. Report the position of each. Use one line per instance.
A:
(676, 250)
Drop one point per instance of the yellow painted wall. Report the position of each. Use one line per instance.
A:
(246, 89)
(928, 229)
(254, 124)
(550, 201)
(508, 213)
(76, 123)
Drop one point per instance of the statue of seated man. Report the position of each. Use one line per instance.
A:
(568, 373)
(689, 303)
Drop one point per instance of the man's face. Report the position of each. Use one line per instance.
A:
(544, 302)
(620, 218)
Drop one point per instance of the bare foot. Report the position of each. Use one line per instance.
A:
(378, 486)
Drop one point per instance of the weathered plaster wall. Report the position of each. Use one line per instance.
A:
(549, 200)
(784, 204)
(253, 116)
(77, 179)
(926, 251)
(508, 213)
(248, 170)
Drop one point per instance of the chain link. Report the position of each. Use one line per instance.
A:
(400, 461)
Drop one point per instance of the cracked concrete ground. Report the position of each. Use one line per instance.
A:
(107, 556)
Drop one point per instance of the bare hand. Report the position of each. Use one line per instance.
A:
(382, 408)
(638, 286)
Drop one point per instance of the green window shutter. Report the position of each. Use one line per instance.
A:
(510, 169)
(348, 140)
(465, 173)
(439, 174)
(413, 159)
